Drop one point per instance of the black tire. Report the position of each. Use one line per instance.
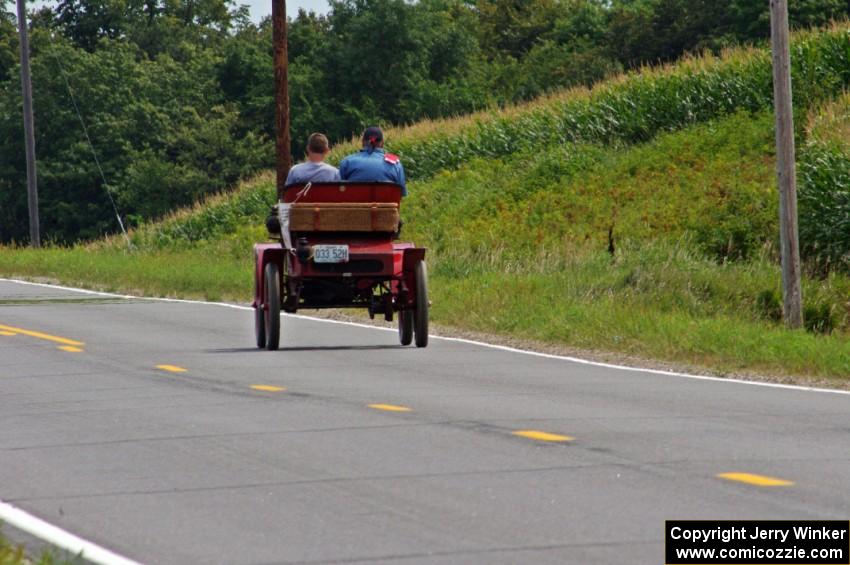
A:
(259, 318)
(260, 326)
(420, 315)
(405, 327)
(272, 299)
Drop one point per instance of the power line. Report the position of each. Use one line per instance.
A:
(91, 147)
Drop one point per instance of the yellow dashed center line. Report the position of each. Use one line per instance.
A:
(542, 436)
(171, 368)
(268, 388)
(5, 333)
(757, 480)
(70, 349)
(390, 408)
(54, 338)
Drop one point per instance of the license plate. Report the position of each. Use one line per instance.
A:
(330, 253)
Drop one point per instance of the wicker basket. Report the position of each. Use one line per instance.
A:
(350, 216)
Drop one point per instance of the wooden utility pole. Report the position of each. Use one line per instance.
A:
(29, 128)
(281, 113)
(785, 164)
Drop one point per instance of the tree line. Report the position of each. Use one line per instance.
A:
(177, 94)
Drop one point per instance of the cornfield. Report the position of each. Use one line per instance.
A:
(633, 108)
(824, 206)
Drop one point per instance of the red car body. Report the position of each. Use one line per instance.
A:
(380, 274)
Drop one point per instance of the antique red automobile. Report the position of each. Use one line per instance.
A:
(337, 249)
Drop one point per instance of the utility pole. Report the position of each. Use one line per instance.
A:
(281, 113)
(786, 165)
(29, 129)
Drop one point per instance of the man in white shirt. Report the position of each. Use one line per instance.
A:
(314, 169)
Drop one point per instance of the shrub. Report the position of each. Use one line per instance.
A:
(769, 305)
(819, 318)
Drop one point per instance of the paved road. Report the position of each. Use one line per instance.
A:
(199, 467)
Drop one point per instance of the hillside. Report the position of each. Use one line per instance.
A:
(671, 169)
(159, 107)
(629, 109)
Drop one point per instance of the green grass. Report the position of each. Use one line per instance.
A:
(658, 301)
(11, 554)
(219, 271)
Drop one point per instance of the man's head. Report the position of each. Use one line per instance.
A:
(373, 138)
(317, 147)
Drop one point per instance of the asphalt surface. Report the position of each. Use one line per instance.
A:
(198, 467)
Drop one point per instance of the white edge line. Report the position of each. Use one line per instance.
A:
(59, 537)
(457, 340)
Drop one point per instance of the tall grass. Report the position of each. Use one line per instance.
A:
(659, 300)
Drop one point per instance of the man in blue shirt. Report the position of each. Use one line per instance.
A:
(314, 169)
(372, 163)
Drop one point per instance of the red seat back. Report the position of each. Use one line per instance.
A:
(343, 191)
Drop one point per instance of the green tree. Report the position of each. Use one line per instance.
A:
(159, 128)
(750, 20)
(244, 75)
(649, 31)
(511, 27)
(8, 42)
(572, 53)
(157, 26)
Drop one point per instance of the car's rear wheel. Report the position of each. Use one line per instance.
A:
(272, 311)
(259, 318)
(260, 326)
(405, 327)
(420, 315)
